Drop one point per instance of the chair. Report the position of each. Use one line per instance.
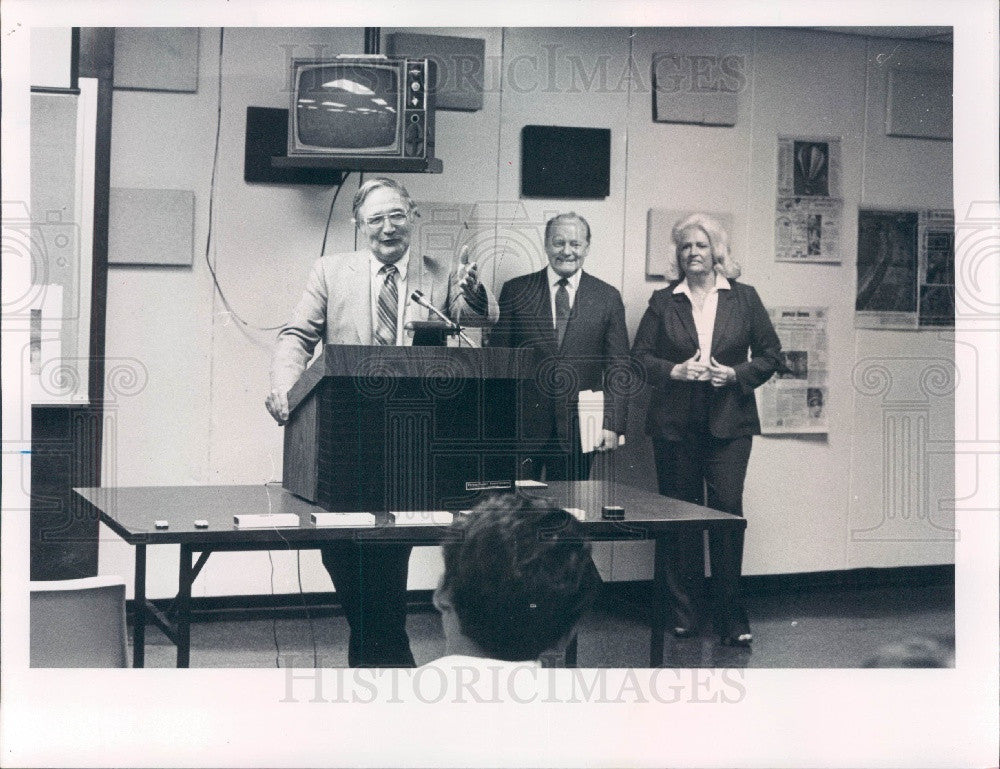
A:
(78, 623)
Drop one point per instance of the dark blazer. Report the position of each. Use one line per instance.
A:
(595, 343)
(667, 336)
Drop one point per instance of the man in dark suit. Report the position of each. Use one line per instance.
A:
(363, 298)
(575, 323)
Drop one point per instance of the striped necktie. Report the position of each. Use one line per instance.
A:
(388, 307)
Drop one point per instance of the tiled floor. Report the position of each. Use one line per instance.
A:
(812, 629)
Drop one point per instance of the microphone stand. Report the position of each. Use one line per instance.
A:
(418, 297)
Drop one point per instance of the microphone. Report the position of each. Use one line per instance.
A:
(418, 297)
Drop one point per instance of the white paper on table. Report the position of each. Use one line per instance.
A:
(591, 411)
(343, 519)
(422, 517)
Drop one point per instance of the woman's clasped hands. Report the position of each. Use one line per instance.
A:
(695, 370)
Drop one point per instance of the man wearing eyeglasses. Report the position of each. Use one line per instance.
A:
(363, 298)
(576, 324)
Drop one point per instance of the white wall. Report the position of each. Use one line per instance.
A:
(812, 504)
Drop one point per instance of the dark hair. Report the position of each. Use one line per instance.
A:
(519, 574)
(377, 183)
(571, 216)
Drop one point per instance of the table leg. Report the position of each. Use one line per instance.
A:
(139, 621)
(658, 614)
(571, 652)
(184, 580)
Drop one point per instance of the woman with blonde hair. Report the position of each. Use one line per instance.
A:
(706, 342)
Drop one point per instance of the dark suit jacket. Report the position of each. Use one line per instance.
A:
(667, 336)
(595, 342)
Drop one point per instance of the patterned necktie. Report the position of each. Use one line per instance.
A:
(388, 305)
(562, 310)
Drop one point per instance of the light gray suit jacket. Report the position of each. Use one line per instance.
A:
(335, 308)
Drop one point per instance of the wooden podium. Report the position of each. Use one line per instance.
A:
(404, 428)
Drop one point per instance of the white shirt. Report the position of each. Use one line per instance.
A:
(704, 319)
(375, 285)
(572, 284)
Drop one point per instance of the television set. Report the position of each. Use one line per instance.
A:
(565, 162)
(364, 112)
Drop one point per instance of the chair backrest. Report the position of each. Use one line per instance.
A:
(78, 623)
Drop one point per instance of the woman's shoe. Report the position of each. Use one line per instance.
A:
(683, 632)
(743, 639)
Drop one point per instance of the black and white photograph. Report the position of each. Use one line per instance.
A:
(887, 262)
(811, 169)
(796, 364)
(394, 386)
(940, 248)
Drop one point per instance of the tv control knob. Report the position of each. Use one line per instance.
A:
(414, 140)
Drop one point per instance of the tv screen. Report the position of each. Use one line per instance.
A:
(348, 107)
(563, 162)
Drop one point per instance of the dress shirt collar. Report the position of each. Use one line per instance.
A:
(721, 284)
(401, 264)
(573, 281)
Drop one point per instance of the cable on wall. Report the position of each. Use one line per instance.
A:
(329, 216)
(496, 178)
(361, 180)
(211, 206)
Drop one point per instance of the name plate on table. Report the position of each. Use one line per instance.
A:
(268, 521)
(423, 518)
(343, 519)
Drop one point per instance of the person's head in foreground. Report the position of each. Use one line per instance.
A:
(915, 652)
(518, 575)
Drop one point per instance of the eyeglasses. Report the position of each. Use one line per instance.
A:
(396, 218)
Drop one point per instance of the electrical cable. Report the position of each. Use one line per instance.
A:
(361, 181)
(312, 633)
(329, 216)
(211, 206)
(298, 571)
(248, 325)
(274, 620)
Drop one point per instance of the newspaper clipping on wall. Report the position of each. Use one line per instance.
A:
(795, 400)
(808, 230)
(906, 269)
(936, 267)
(809, 207)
